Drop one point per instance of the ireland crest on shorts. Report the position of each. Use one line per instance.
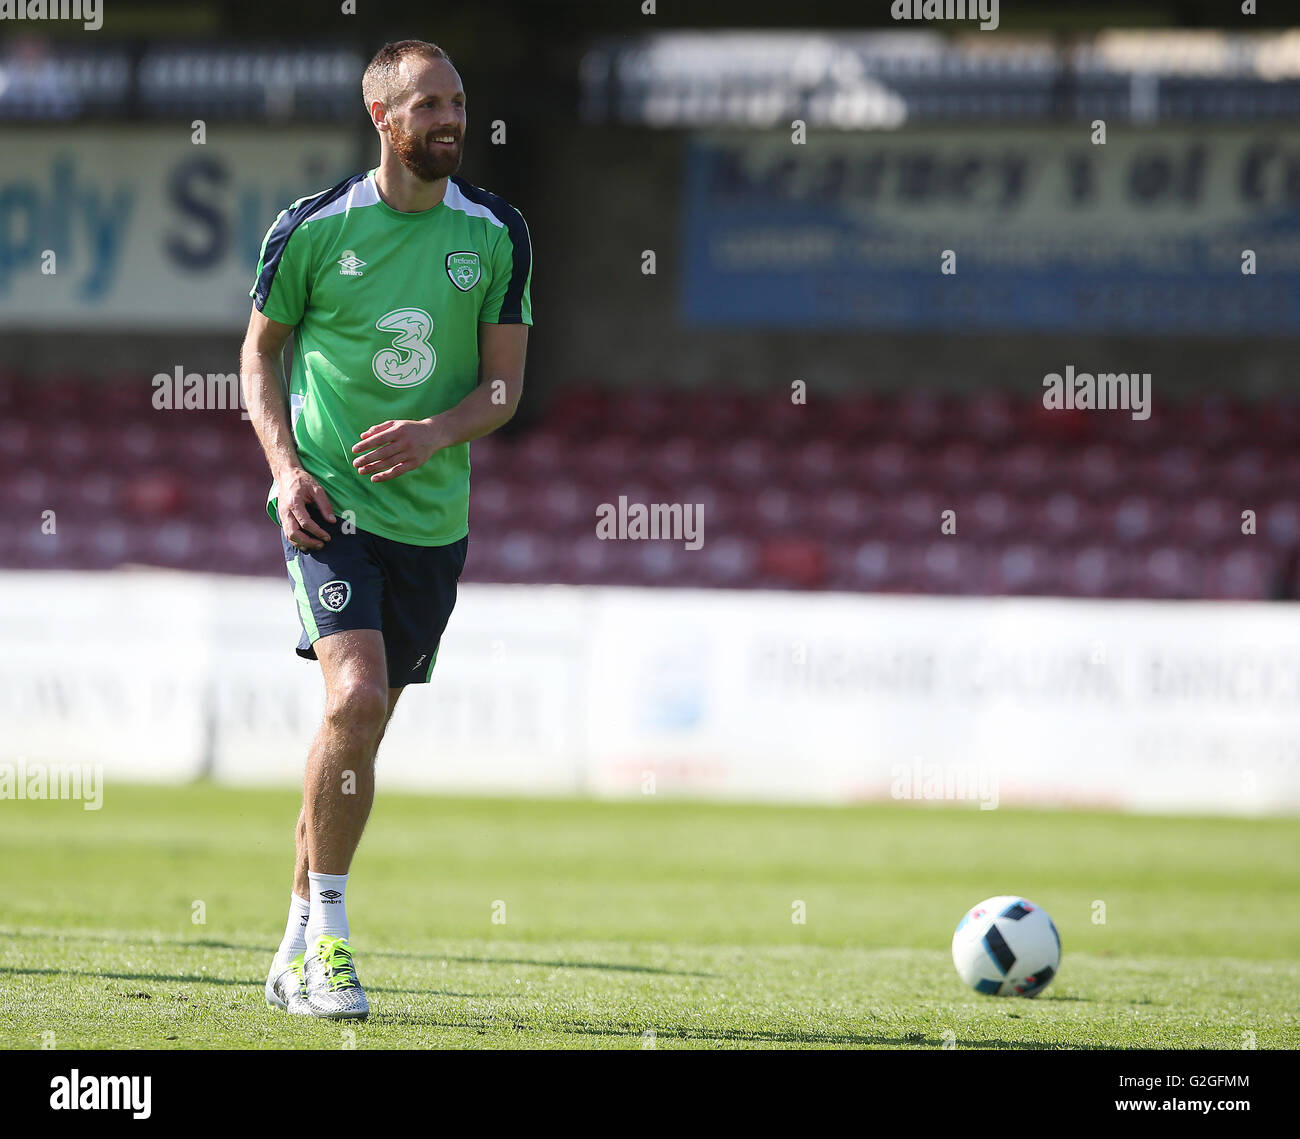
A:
(334, 595)
(463, 269)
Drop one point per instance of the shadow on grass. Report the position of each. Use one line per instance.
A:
(722, 1035)
(236, 982)
(212, 943)
(551, 964)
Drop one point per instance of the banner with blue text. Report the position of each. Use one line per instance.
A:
(145, 228)
(1038, 229)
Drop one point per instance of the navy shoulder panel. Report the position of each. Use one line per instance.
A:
(278, 239)
(513, 220)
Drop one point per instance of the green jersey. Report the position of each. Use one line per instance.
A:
(386, 307)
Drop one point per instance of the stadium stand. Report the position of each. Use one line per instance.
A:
(845, 495)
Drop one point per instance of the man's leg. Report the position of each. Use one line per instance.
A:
(343, 744)
(302, 861)
(338, 790)
(339, 785)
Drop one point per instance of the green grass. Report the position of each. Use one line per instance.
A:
(643, 917)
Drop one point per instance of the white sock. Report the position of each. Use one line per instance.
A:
(295, 933)
(329, 914)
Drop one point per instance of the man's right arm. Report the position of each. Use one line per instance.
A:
(261, 374)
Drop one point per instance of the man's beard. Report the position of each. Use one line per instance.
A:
(414, 152)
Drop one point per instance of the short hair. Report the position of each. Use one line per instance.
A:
(381, 75)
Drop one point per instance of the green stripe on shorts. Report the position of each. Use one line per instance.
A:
(304, 605)
(428, 676)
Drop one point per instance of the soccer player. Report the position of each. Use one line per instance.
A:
(407, 289)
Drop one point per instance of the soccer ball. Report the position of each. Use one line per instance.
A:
(1007, 947)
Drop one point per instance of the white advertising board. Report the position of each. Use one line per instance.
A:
(781, 697)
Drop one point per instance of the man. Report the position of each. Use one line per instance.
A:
(408, 291)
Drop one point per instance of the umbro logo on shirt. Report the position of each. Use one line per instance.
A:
(350, 264)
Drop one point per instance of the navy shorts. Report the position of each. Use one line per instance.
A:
(363, 581)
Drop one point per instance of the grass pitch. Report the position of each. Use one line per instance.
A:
(571, 924)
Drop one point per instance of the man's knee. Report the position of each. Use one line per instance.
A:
(358, 704)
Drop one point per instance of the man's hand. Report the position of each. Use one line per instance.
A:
(296, 490)
(395, 447)
(391, 449)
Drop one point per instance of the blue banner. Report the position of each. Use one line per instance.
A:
(997, 229)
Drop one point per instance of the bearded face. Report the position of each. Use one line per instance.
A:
(429, 154)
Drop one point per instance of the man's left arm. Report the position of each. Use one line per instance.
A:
(396, 446)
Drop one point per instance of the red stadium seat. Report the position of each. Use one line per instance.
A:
(1024, 569)
(794, 561)
(844, 491)
(157, 493)
(818, 463)
(915, 514)
(729, 561)
(884, 465)
(850, 419)
(1247, 573)
(993, 417)
(1025, 467)
(1212, 519)
(1096, 571)
(1170, 571)
(1136, 518)
(778, 510)
(951, 565)
(1172, 470)
(993, 514)
(1279, 523)
(1062, 516)
(845, 513)
(959, 463)
(1098, 469)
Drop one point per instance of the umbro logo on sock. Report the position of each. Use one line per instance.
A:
(330, 895)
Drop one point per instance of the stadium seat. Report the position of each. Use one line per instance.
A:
(1175, 470)
(1135, 518)
(959, 463)
(1061, 516)
(1023, 569)
(797, 562)
(1169, 571)
(845, 513)
(1279, 523)
(1097, 469)
(887, 464)
(729, 561)
(1096, 571)
(817, 463)
(747, 462)
(1212, 519)
(952, 565)
(843, 492)
(1247, 573)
